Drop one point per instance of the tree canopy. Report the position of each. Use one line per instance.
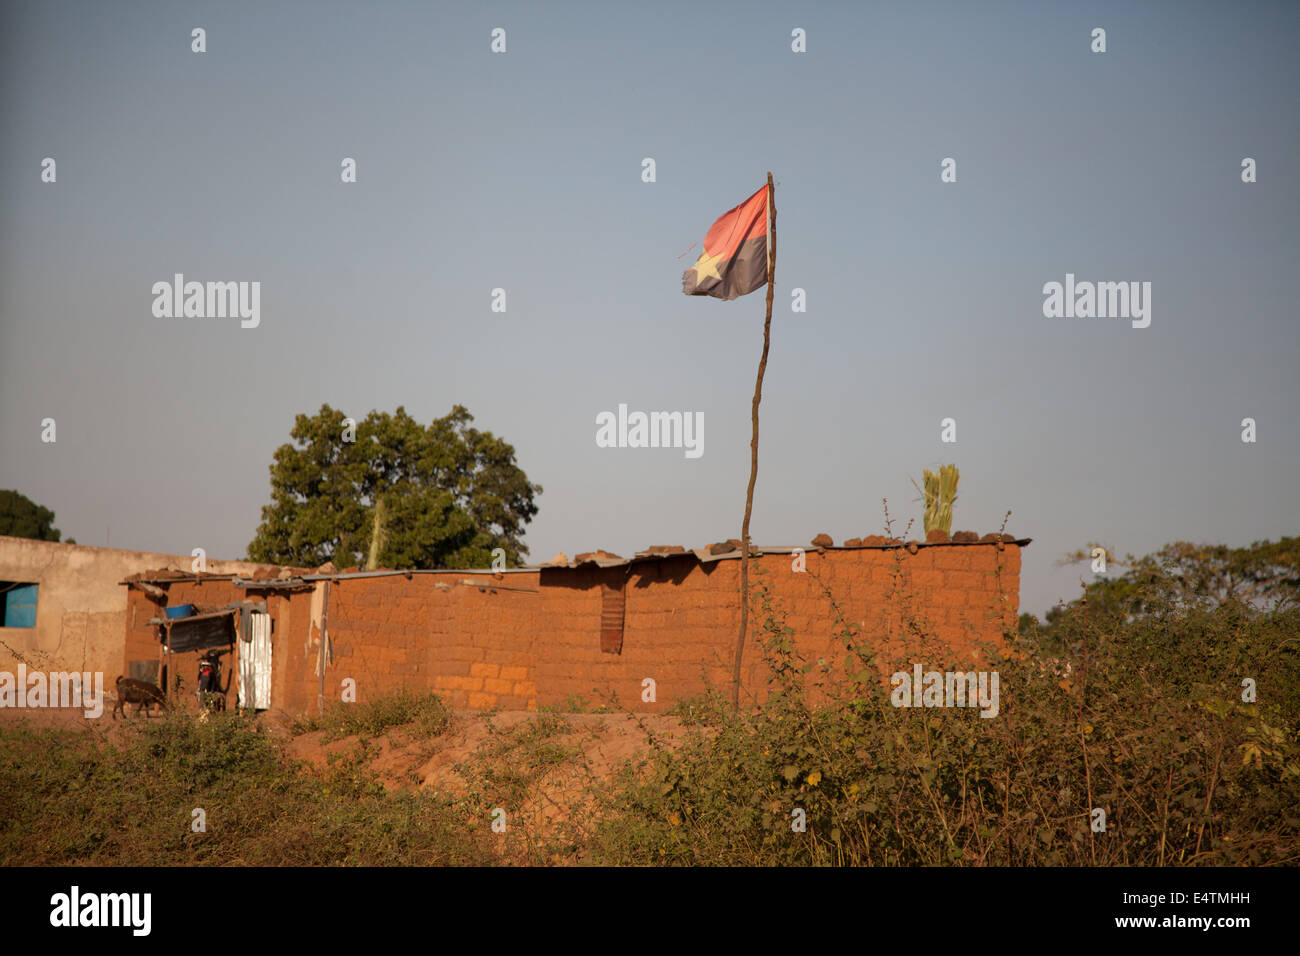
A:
(1263, 576)
(450, 494)
(20, 517)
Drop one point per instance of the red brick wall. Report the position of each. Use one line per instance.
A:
(519, 649)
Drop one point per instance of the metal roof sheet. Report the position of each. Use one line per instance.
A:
(705, 555)
(702, 555)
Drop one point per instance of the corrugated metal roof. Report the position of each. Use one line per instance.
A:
(600, 559)
(198, 631)
(706, 556)
(194, 618)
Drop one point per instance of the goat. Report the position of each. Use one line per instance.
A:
(141, 692)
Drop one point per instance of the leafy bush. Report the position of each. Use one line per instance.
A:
(75, 800)
(707, 710)
(375, 717)
(1143, 720)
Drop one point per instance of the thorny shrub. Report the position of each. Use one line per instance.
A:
(72, 799)
(1143, 720)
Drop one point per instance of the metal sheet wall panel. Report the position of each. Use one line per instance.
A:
(255, 665)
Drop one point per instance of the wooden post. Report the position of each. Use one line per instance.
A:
(753, 444)
(320, 664)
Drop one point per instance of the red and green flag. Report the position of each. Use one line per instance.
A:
(734, 261)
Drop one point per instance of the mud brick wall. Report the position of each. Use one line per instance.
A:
(517, 649)
(477, 648)
(529, 639)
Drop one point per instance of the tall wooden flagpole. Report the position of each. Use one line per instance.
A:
(753, 444)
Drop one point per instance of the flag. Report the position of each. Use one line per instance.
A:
(734, 260)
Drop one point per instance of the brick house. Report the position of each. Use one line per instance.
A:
(593, 627)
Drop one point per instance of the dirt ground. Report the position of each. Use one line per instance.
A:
(605, 741)
(550, 762)
(546, 768)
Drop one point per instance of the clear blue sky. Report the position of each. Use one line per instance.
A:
(523, 171)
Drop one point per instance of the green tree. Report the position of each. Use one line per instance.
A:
(1180, 576)
(20, 517)
(450, 493)
(1026, 624)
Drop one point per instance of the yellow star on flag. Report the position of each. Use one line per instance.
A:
(706, 267)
